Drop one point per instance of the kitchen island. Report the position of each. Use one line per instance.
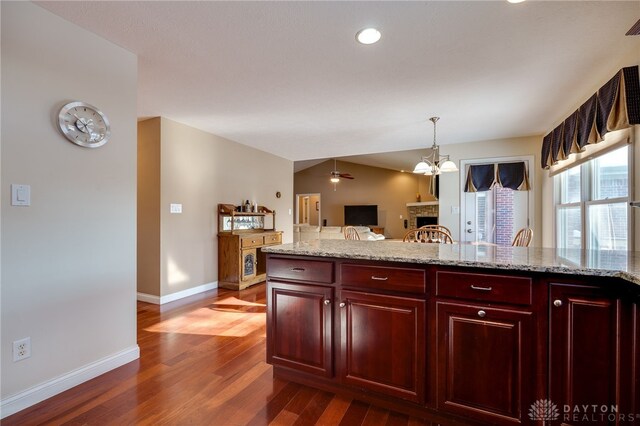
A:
(460, 334)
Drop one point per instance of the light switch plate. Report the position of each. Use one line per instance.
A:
(20, 195)
(176, 208)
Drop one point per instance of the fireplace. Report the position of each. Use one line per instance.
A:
(426, 220)
(420, 214)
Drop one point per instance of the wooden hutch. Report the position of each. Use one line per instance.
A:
(241, 236)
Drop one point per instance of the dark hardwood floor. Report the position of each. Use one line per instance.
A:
(202, 362)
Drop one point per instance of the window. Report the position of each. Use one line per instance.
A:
(592, 203)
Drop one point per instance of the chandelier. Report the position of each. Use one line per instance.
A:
(434, 163)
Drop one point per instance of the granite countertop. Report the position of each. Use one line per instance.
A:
(597, 263)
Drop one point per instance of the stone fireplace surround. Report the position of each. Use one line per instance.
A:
(425, 209)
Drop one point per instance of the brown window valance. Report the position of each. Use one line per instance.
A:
(615, 106)
(482, 177)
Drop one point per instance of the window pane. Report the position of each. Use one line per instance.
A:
(610, 175)
(570, 186)
(569, 227)
(608, 226)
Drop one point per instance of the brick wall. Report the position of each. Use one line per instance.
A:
(415, 211)
(504, 216)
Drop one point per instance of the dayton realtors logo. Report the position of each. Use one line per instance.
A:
(545, 409)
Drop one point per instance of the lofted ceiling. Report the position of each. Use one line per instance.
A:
(289, 77)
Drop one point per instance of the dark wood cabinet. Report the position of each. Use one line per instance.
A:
(457, 345)
(585, 351)
(485, 362)
(300, 327)
(382, 344)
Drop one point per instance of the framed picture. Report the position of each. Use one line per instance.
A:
(317, 206)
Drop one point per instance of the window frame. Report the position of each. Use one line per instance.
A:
(587, 193)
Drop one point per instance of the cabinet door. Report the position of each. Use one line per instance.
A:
(299, 327)
(584, 351)
(383, 344)
(248, 263)
(485, 362)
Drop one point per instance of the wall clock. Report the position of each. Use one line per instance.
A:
(84, 124)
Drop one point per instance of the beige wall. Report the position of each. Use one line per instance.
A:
(148, 252)
(390, 190)
(314, 215)
(200, 170)
(69, 260)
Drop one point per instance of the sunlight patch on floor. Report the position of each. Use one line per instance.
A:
(229, 317)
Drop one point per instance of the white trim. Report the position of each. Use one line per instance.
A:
(38, 393)
(149, 298)
(161, 300)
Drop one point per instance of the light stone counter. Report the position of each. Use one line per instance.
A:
(596, 263)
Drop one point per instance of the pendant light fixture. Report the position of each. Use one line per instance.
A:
(433, 163)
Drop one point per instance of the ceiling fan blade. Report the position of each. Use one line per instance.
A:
(346, 176)
(634, 30)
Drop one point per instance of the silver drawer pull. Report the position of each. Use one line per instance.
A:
(475, 287)
(482, 313)
(297, 269)
(327, 301)
(373, 277)
(342, 304)
(557, 303)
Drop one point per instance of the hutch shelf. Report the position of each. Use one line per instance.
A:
(241, 237)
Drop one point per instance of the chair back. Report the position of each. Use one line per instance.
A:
(439, 228)
(523, 238)
(427, 236)
(350, 233)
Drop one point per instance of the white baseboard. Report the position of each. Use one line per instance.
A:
(38, 393)
(161, 300)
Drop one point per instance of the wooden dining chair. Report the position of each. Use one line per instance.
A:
(439, 228)
(350, 233)
(427, 236)
(523, 238)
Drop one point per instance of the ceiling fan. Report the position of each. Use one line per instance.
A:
(336, 175)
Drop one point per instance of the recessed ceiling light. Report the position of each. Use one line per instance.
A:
(368, 36)
(515, 1)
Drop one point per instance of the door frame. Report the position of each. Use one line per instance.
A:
(529, 159)
(308, 195)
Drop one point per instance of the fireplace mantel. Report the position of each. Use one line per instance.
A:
(424, 203)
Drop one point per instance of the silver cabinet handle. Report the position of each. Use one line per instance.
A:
(327, 301)
(342, 304)
(475, 287)
(469, 231)
(482, 313)
(557, 303)
(373, 277)
(297, 269)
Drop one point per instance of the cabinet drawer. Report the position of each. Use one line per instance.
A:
(273, 239)
(488, 288)
(300, 270)
(408, 280)
(253, 241)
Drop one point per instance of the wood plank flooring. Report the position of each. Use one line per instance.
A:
(202, 363)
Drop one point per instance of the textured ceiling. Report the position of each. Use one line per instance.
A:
(289, 77)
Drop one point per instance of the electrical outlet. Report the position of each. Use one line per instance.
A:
(21, 349)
